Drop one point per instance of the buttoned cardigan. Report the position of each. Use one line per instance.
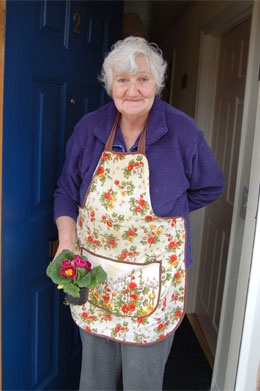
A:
(184, 174)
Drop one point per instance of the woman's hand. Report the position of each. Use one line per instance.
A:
(67, 234)
(63, 247)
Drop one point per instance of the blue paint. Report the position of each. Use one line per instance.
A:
(46, 65)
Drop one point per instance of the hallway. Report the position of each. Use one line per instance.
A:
(187, 367)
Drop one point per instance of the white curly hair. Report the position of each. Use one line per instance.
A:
(122, 60)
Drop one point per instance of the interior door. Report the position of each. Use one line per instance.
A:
(226, 141)
(54, 51)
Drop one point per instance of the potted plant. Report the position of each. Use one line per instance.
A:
(75, 275)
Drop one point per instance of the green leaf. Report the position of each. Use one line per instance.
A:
(71, 289)
(53, 269)
(86, 280)
(55, 265)
(65, 254)
(93, 283)
(99, 274)
(55, 276)
(48, 270)
(81, 272)
(60, 280)
(93, 187)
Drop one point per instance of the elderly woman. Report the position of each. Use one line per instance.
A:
(136, 167)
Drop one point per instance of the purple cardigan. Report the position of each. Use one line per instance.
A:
(184, 174)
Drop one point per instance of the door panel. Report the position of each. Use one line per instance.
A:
(54, 51)
(48, 108)
(51, 23)
(226, 141)
(44, 340)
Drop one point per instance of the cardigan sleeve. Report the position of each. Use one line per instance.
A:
(66, 196)
(205, 176)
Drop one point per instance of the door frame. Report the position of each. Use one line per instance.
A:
(229, 18)
(238, 266)
(2, 55)
(248, 171)
(248, 372)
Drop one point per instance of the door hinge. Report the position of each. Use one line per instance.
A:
(244, 203)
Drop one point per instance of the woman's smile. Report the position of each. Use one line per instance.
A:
(134, 94)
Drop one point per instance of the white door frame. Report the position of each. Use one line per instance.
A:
(249, 357)
(248, 171)
(242, 232)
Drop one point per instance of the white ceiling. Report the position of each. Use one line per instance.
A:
(158, 16)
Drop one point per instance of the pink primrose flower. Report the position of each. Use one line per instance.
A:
(65, 262)
(80, 263)
(68, 271)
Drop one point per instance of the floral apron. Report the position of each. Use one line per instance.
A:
(143, 299)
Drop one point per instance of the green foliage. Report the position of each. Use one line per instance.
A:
(53, 269)
(99, 273)
(71, 289)
(83, 278)
(85, 282)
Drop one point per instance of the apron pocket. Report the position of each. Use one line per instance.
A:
(131, 289)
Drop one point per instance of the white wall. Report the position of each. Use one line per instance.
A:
(185, 39)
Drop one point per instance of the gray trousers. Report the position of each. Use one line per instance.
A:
(102, 360)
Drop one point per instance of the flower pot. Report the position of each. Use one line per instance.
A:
(77, 300)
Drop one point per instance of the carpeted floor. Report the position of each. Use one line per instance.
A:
(187, 367)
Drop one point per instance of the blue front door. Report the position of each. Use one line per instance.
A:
(54, 51)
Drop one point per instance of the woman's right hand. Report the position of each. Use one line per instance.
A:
(67, 234)
(62, 247)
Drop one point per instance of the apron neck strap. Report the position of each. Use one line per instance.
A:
(110, 140)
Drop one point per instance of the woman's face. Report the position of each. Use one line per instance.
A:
(134, 94)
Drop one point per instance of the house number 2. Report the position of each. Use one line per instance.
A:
(77, 19)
